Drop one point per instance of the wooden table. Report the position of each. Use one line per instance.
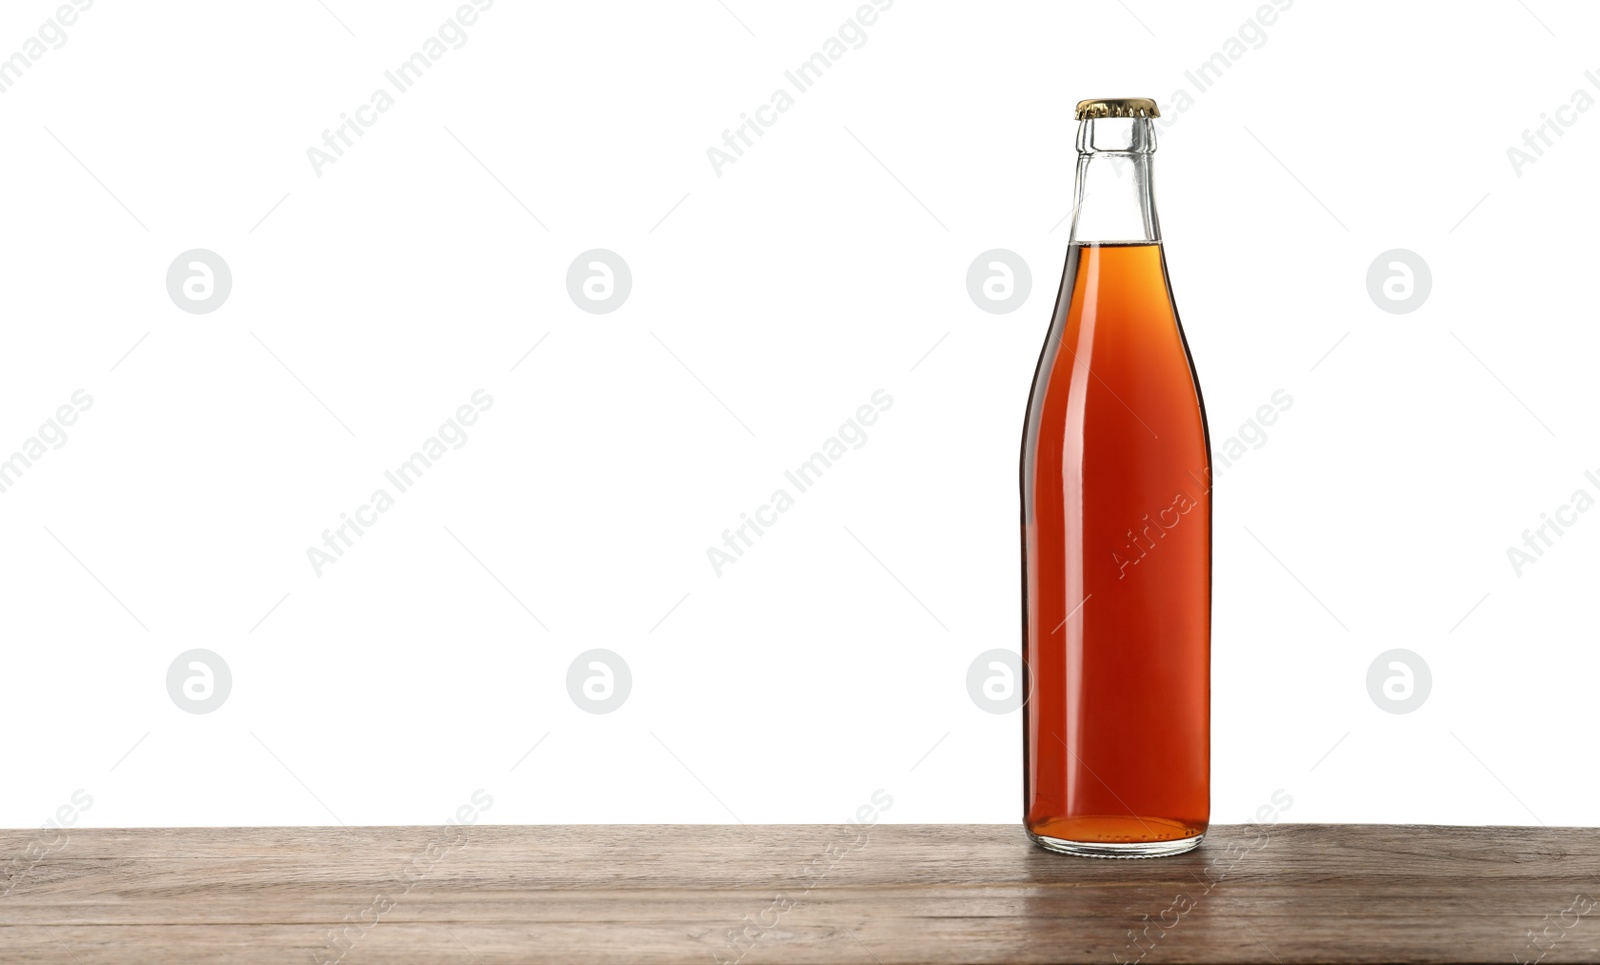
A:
(802, 893)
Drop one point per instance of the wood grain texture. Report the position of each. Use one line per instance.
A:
(804, 893)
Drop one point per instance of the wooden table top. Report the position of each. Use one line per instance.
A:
(796, 893)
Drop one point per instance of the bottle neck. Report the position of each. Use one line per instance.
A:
(1114, 202)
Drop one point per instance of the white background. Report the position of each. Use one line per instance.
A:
(767, 305)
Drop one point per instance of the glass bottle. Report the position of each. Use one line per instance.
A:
(1116, 529)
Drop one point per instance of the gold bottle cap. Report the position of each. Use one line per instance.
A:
(1116, 107)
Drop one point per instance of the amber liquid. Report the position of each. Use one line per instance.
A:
(1116, 531)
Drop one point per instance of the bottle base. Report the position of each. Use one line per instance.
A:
(1117, 849)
